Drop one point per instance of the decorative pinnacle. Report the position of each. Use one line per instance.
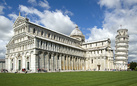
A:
(121, 26)
(19, 13)
(76, 26)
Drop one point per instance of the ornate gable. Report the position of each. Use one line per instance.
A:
(14, 39)
(11, 41)
(20, 20)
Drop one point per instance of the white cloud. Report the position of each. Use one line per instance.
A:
(121, 12)
(101, 34)
(128, 3)
(13, 16)
(44, 4)
(54, 20)
(98, 34)
(4, 2)
(2, 48)
(1, 9)
(33, 2)
(5, 28)
(30, 10)
(110, 3)
(57, 21)
(6, 32)
(68, 13)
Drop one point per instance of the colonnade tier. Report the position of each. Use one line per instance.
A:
(58, 62)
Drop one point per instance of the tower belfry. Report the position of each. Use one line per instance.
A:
(121, 52)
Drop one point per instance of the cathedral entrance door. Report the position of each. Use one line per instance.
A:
(19, 64)
(98, 67)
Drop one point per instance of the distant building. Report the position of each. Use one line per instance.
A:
(2, 64)
(34, 48)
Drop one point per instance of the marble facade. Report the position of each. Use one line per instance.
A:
(35, 47)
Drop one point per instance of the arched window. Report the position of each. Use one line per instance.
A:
(58, 57)
(45, 34)
(92, 61)
(59, 38)
(33, 30)
(48, 35)
(124, 33)
(54, 36)
(49, 57)
(51, 44)
(42, 33)
(124, 38)
(41, 43)
(65, 57)
(119, 33)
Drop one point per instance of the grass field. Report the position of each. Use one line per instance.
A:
(70, 79)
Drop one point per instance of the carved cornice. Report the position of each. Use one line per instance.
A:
(122, 42)
(121, 51)
(117, 46)
(122, 36)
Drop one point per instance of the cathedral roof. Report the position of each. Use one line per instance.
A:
(76, 32)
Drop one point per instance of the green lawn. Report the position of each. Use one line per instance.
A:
(70, 79)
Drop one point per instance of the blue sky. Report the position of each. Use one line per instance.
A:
(85, 13)
(97, 19)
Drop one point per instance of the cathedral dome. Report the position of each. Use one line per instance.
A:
(76, 32)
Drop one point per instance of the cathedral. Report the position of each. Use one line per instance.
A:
(37, 49)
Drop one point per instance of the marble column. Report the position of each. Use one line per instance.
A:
(59, 62)
(47, 61)
(69, 63)
(55, 62)
(23, 61)
(62, 62)
(44, 56)
(84, 64)
(43, 61)
(78, 63)
(6, 62)
(105, 63)
(108, 65)
(66, 62)
(81, 64)
(50, 56)
(51, 62)
(36, 58)
(15, 64)
(72, 63)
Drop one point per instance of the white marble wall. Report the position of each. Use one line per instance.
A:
(53, 51)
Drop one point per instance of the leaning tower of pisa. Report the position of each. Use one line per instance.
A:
(121, 52)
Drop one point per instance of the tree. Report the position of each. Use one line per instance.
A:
(136, 69)
(133, 65)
